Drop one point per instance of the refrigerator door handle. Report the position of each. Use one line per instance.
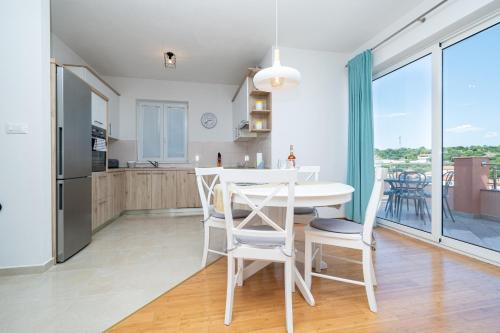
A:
(60, 150)
(60, 198)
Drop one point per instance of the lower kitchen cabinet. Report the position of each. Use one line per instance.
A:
(101, 204)
(117, 191)
(138, 190)
(163, 189)
(187, 190)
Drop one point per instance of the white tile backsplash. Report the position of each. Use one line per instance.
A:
(233, 153)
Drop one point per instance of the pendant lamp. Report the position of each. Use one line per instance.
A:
(277, 77)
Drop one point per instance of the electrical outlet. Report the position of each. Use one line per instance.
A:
(16, 128)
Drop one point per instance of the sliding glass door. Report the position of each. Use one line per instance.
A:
(437, 131)
(471, 139)
(402, 107)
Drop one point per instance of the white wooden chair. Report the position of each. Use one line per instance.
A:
(206, 179)
(307, 173)
(268, 241)
(347, 234)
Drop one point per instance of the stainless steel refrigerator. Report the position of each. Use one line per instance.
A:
(74, 164)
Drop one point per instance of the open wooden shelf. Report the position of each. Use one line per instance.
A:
(259, 93)
(262, 112)
(263, 130)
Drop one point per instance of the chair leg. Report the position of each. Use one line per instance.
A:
(388, 204)
(367, 275)
(374, 278)
(400, 208)
(319, 258)
(307, 262)
(288, 295)
(449, 210)
(240, 272)
(206, 243)
(427, 209)
(230, 290)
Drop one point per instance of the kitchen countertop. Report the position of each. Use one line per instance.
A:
(170, 168)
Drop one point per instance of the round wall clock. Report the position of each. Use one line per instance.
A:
(208, 120)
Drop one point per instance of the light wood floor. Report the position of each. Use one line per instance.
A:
(421, 289)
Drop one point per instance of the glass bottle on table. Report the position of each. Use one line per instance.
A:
(291, 158)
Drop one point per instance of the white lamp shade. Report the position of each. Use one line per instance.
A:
(276, 78)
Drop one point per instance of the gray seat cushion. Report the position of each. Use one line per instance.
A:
(303, 210)
(237, 214)
(337, 225)
(260, 241)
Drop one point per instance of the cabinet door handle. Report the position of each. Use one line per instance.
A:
(97, 122)
(143, 173)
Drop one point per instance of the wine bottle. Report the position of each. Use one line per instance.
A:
(291, 158)
(219, 159)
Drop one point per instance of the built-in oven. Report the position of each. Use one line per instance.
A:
(99, 148)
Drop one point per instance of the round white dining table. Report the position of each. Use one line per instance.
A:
(307, 194)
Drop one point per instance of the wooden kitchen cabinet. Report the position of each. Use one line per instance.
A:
(138, 190)
(163, 189)
(101, 204)
(187, 190)
(118, 192)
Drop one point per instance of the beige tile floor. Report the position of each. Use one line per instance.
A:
(129, 263)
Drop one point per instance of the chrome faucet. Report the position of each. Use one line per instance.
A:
(154, 163)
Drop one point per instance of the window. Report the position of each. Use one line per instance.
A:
(436, 118)
(162, 131)
(402, 108)
(471, 139)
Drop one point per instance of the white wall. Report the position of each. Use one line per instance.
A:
(201, 97)
(312, 117)
(452, 16)
(25, 220)
(63, 53)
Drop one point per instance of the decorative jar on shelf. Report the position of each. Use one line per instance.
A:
(260, 105)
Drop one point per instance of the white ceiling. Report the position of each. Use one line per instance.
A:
(215, 40)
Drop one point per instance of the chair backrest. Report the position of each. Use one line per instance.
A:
(373, 203)
(411, 181)
(308, 173)
(234, 182)
(449, 178)
(206, 178)
(394, 173)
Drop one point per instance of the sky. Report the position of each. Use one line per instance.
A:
(402, 99)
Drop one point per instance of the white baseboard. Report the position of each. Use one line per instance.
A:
(21, 270)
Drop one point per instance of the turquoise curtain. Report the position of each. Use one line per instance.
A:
(360, 172)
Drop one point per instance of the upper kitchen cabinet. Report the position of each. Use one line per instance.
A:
(99, 110)
(112, 118)
(251, 110)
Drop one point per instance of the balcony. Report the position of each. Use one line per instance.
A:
(472, 196)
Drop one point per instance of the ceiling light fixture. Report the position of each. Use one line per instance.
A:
(169, 60)
(277, 77)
